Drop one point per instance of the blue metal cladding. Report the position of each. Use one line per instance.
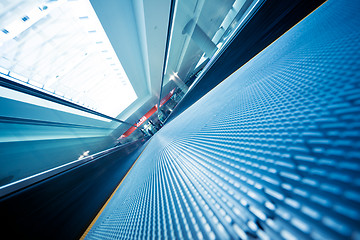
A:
(273, 152)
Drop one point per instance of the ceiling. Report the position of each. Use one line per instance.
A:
(138, 31)
(113, 64)
(60, 46)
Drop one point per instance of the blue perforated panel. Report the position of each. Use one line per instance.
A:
(273, 152)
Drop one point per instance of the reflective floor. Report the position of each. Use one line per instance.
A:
(272, 152)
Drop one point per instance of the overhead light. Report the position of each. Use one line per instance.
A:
(25, 18)
(18, 26)
(5, 31)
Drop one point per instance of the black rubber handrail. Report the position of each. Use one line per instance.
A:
(16, 120)
(169, 31)
(41, 94)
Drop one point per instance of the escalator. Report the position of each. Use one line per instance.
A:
(271, 152)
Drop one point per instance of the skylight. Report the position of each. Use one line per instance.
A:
(62, 48)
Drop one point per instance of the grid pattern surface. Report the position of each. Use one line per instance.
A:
(271, 153)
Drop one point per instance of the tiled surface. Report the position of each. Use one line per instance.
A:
(273, 152)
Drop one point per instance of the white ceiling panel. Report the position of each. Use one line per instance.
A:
(61, 46)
